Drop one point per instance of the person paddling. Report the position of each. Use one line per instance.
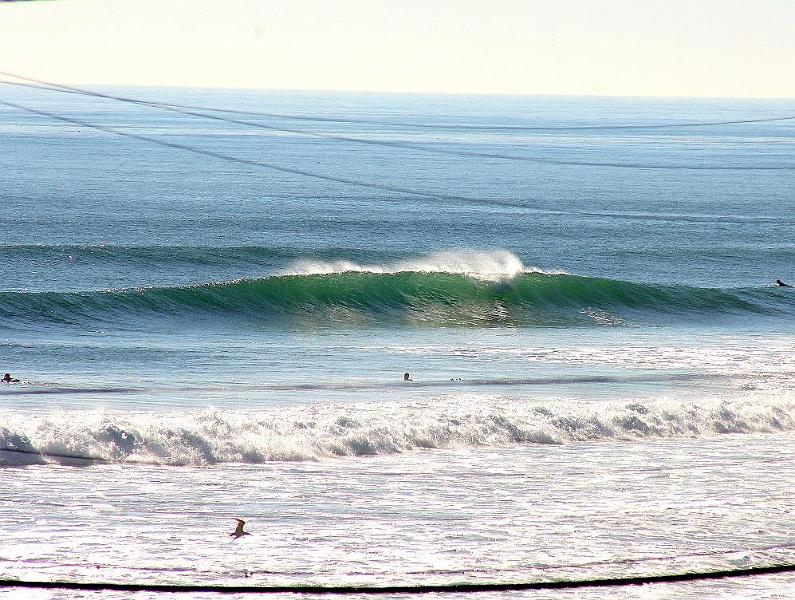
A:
(8, 379)
(780, 283)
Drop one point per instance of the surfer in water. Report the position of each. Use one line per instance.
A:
(407, 377)
(780, 283)
(8, 379)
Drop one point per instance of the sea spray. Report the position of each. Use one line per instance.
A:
(490, 265)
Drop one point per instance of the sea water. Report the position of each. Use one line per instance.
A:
(211, 314)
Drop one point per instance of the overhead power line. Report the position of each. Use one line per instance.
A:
(183, 109)
(236, 159)
(40, 84)
(457, 588)
(43, 454)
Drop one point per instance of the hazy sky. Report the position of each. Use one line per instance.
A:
(610, 47)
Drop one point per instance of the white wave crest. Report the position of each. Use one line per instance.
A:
(482, 264)
(318, 432)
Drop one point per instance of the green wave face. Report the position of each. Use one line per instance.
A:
(407, 298)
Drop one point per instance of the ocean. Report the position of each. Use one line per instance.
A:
(211, 313)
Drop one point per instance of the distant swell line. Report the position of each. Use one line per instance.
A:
(38, 389)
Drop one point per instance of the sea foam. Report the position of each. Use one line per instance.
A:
(318, 432)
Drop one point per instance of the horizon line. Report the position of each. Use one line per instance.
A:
(322, 90)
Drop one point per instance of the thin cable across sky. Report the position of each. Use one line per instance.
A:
(40, 84)
(48, 86)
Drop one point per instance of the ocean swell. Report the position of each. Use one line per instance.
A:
(410, 298)
(443, 289)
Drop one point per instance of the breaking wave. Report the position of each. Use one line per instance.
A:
(443, 289)
(318, 432)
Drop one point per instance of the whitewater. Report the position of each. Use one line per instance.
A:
(602, 374)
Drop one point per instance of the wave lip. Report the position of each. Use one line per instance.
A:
(314, 432)
(495, 265)
(443, 289)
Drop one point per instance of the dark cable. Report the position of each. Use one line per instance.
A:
(404, 589)
(541, 128)
(397, 144)
(243, 161)
(44, 454)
